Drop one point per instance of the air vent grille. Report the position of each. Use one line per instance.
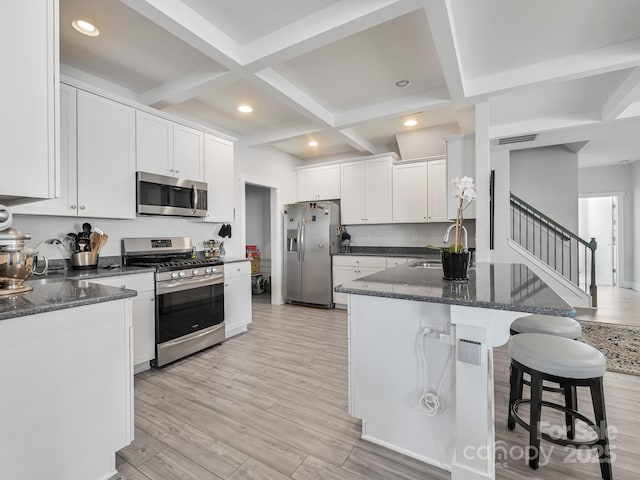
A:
(518, 139)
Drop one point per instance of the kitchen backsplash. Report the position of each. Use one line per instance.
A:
(42, 228)
(405, 234)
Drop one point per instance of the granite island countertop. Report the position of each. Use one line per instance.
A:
(498, 286)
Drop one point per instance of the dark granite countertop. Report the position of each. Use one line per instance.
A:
(498, 286)
(100, 272)
(59, 295)
(413, 252)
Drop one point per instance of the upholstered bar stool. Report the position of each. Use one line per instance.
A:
(551, 325)
(570, 364)
(548, 324)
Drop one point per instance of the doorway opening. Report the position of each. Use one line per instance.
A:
(259, 203)
(599, 218)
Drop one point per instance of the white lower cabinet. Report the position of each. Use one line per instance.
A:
(347, 268)
(144, 314)
(237, 297)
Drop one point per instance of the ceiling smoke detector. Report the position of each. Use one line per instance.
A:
(402, 83)
(518, 139)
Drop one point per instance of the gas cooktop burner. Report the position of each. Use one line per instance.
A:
(166, 266)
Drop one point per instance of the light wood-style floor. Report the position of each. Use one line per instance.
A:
(271, 404)
(615, 305)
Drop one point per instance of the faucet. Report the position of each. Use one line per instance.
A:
(445, 238)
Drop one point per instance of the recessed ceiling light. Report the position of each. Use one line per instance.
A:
(85, 28)
(313, 143)
(245, 108)
(402, 83)
(410, 123)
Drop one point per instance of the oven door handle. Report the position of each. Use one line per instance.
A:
(179, 285)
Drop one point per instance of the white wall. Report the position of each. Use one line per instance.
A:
(425, 142)
(258, 219)
(547, 179)
(404, 234)
(635, 170)
(609, 180)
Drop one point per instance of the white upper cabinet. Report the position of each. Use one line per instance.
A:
(319, 183)
(366, 191)
(188, 153)
(461, 161)
(218, 163)
(67, 203)
(106, 158)
(167, 148)
(410, 197)
(28, 91)
(437, 189)
(420, 192)
(154, 144)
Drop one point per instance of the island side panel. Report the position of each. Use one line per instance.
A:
(67, 392)
(386, 378)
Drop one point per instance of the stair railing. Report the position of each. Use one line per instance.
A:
(564, 251)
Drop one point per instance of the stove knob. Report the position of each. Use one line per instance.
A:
(181, 274)
(207, 271)
(174, 275)
(195, 272)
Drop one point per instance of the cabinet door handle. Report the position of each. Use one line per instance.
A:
(123, 286)
(73, 207)
(177, 171)
(82, 207)
(151, 299)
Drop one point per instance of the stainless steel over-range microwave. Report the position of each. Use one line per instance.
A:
(162, 195)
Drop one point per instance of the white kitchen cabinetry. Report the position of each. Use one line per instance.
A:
(167, 148)
(97, 153)
(144, 314)
(66, 204)
(29, 89)
(318, 183)
(437, 188)
(351, 267)
(188, 152)
(237, 297)
(461, 162)
(218, 173)
(106, 158)
(67, 392)
(419, 192)
(366, 191)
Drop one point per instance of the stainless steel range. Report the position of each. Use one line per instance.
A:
(189, 295)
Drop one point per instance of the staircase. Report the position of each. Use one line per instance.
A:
(559, 249)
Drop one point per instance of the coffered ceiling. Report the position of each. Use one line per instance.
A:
(327, 70)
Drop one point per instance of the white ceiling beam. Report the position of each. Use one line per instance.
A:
(357, 141)
(281, 135)
(295, 98)
(334, 22)
(626, 94)
(190, 27)
(185, 87)
(427, 100)
(572, 67)
(442, 25)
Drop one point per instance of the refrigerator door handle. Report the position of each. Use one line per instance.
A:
(299, 242)
(302, 246)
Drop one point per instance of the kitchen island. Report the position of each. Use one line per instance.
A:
(421, 360)
(67, 376)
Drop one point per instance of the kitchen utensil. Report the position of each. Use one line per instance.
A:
(86, 229)
(84, 260)
(94, 240)
(102, 240)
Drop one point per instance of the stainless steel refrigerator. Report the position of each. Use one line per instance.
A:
(310, 237)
